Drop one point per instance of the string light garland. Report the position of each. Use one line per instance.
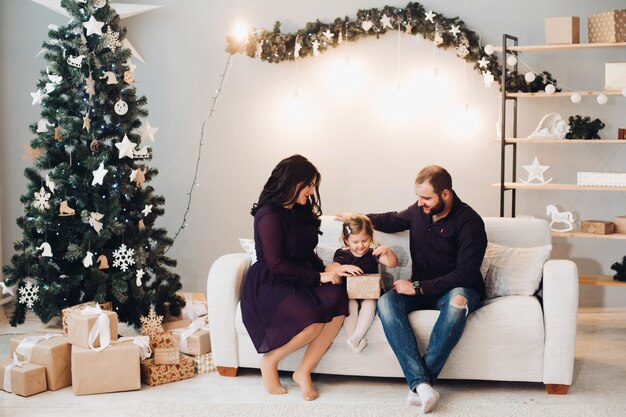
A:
(218, 92)
(317, 37)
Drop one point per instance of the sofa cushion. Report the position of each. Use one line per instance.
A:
(513, 271)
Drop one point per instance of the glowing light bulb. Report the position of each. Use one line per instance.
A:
(240, 33)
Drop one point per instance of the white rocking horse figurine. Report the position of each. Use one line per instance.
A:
(557, 217)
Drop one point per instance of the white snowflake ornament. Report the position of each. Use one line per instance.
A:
(28, 294)
(111, 39)
(123, 257)
(42, 199)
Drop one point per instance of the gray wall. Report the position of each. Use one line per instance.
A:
(367, 139)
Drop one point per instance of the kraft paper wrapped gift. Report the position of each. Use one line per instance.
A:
(607, 26)
(194, 339)
(203, 364)
(364, 287)
(113, 369)
(80, 325)
(152, 374)
(51, 351)
(22, 379)
(562, 30)
(163, 340)
(195, 307)
(66, 311)
(178, 324)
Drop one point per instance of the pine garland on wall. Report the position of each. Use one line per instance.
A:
(317, 37)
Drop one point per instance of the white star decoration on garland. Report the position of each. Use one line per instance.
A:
(430, 16)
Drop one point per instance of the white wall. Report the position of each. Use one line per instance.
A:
(368, 155)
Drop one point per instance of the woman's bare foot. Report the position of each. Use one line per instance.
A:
(269, 370)
(309, 393)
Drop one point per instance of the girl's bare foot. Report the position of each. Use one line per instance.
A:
(309, 393)
(269, 370)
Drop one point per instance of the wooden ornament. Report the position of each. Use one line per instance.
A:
(32, 153)
(141, 225)
(65, 209)
(103, 262)
(57, 134)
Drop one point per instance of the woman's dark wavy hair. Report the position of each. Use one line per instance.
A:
(288, 178)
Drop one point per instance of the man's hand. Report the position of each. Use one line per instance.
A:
(342, 217)
(403, 286)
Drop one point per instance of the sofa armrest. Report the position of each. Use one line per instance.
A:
(223, 292)
(560, 310)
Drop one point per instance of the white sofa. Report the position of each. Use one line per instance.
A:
(510, 338)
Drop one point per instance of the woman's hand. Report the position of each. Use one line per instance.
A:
(332, 277)
(349, 270)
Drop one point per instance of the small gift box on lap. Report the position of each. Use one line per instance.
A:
(364, 287)
(152, 374)
(114, 369)
(52, 351)
(66, 311)
(23, 379)
(92, 327)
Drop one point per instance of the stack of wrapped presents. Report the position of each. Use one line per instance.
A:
(88, 354)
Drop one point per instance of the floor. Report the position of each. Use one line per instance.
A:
(599, 388)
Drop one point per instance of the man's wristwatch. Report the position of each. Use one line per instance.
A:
(416, 286)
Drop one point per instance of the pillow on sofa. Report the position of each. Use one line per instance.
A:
(513, 271)
(248, 246)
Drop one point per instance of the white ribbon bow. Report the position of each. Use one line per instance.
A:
(198, 324)
(8, 387)
(101, 327)
(142, 341)
(27, 344)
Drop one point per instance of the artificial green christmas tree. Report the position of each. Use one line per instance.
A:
(89, 220)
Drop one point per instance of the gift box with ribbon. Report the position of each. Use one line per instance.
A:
(153, 374)
(163, 340)
(195, 307)
(177, 324)
(92, 328)
(52, 351)
(194, 339)
(116, 368)
(66, 311)
(21, 378)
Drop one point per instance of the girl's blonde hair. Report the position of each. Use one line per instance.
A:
(357, 223)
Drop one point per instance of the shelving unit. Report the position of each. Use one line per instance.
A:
(513, 141)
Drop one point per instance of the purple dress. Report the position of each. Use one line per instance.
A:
(281, 291)
(368, 262)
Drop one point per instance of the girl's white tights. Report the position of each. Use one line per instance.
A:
(358, 322)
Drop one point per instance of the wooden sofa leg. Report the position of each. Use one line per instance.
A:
(226, 371)
(557, 389)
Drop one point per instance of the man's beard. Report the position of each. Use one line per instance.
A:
(438, 208)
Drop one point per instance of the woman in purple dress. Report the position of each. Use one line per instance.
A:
(288, 301)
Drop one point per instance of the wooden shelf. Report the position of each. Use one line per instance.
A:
(562, 47)
(551, 186)
(589, 235)
(565, 141)
(542, 94)
(602, 280)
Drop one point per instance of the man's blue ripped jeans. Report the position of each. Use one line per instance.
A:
(394, 308)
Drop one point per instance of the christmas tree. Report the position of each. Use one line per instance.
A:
(89, 218)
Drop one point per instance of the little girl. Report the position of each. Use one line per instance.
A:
(357, 258)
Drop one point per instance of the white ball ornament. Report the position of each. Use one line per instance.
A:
(489, 49)
(511, 60)
(576, 97)
(550, 89)
(530, 77)
(602, 99)
(120, 107)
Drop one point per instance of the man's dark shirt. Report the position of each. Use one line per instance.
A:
(447, 253)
